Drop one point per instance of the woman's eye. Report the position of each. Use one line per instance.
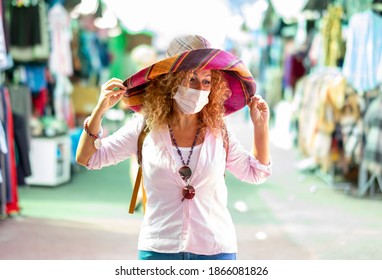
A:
(206, 82)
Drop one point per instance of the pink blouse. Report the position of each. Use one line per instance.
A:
(202, 225)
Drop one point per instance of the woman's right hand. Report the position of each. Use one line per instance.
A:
(111, 92)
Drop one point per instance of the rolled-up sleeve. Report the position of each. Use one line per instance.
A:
(243, 165)
(119, 146)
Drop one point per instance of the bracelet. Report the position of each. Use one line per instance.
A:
(86, 128)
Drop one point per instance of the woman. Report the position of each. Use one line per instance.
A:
(182, 102)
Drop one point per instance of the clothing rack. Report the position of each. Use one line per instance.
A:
(367, 181)
(370, 170)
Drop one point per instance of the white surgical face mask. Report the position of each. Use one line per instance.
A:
(191, 101)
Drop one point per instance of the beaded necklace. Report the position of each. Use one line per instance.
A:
(185, 171)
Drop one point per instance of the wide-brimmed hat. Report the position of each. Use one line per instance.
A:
(193, 52)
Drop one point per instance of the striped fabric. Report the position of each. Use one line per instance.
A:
(239, 78)
(372, 157)
(186, 43)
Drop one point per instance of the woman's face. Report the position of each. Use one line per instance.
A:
(200, 80)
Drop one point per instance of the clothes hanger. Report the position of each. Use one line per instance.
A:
(24, 3)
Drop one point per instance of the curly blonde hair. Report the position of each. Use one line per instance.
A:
(158, 101)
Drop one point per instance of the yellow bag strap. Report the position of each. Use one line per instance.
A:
(134, 195)
(138, 178)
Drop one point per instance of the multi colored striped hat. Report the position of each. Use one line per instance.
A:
(193, 52)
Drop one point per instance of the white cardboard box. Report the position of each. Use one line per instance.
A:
(50, 161)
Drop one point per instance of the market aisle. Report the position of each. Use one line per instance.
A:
(323, 221)
(292, 216)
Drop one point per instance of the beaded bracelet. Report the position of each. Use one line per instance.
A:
(86, 128)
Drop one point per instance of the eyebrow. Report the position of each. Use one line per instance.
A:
(194, 74)
(203, 77)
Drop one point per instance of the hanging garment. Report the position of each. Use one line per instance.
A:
(316, 53)
(25, 26)
(36, 77)
(21, 148)
(370, 170)
(379, 72)
(63, 106)
(307, 119)
(6, 164)
(89, 54)
(39, 101)
(372, 157)
(294, 69)
(363, 50)
(3, 191)
(351, 126)
(3, 142)
(21, 103)
(11, 172)
(333, 46)
(331, 100)
(6, 60)
(6, 57)
(60, 59)
(37, 51)
(3, 47)
(314, 114)
(3, 153)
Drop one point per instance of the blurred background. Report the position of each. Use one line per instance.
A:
(318, 64)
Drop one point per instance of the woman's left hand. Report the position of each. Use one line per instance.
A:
(259, 110)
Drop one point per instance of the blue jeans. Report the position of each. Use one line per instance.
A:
(150, 255)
